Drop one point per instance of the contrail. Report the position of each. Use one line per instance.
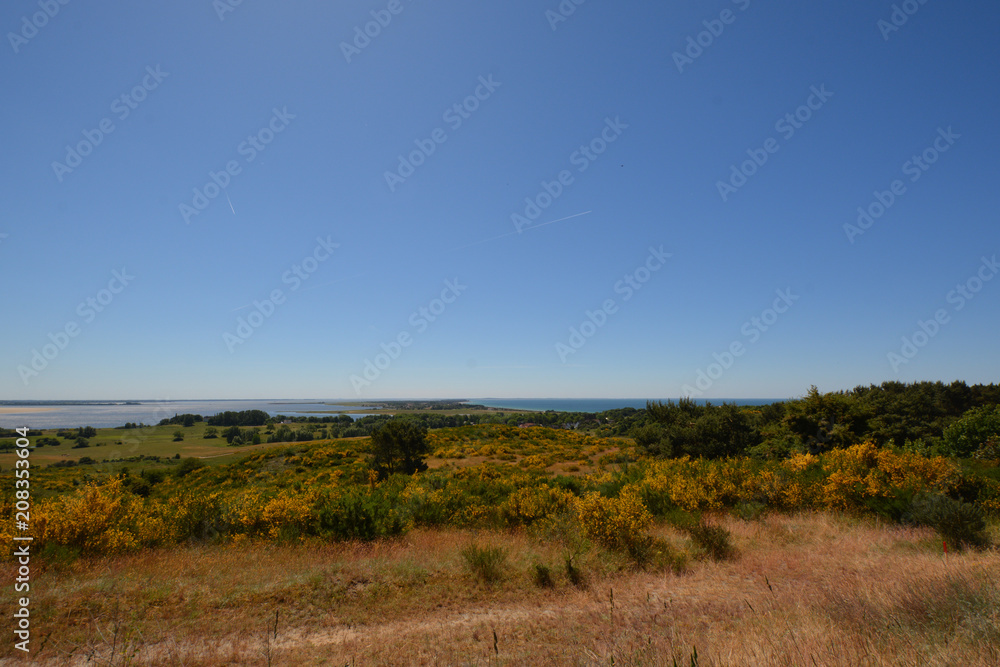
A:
(494, 238)
(230, 203)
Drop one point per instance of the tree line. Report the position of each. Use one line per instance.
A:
(928, 417)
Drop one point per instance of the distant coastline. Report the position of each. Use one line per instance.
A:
(109, 414)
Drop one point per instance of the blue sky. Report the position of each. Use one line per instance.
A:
(356, 255)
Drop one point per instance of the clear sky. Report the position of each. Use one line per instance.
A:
(697, 161)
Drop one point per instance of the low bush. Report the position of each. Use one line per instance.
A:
(715, 541)
(543, 576)
(359, 515)
(573, 573)
(959, 524)
(486, 563)
(188, 466)
(618, 523)
(657, 555)
(750, 510)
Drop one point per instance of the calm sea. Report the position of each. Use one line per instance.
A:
(56, 415)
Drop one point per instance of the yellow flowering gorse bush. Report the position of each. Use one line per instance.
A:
(616, 523)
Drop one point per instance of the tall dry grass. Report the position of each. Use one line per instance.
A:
(804, 589)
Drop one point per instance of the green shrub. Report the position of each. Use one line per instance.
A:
(658, 503)
(359, 515)
(976, 426)
(543, 576)
(573, 573)
(893, 507)
(572, 484)
(657, 555)
(681, 519)
(153, 476)
(988, 451)
(715, 541)
(139, 486)
(59, 554)
(750, 510)
(188, 466)
(486, 563)
(959, 524)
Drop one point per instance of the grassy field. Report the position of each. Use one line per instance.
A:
(812, 588)
(518, 546)
(147, 448)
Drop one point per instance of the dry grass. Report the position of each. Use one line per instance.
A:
(805, 589)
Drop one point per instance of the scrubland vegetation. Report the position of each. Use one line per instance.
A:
(494, 544)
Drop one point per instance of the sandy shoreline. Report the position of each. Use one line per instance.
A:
(14, 409)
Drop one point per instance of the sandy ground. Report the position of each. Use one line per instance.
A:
(9, 410)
